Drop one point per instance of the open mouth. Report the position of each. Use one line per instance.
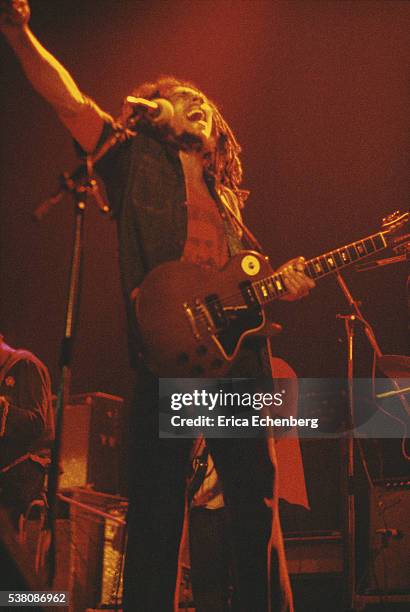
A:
(196, 114)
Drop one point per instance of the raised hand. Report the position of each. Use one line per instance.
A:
(14, 14)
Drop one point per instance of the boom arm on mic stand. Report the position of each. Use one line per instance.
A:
(83, 178)
(159, 111)
(68, 184)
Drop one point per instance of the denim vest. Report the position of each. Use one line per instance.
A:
(145, 185)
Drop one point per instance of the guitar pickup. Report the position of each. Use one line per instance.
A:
(249, 294)
(216, 310)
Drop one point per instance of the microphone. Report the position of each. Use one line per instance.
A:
(158, 110)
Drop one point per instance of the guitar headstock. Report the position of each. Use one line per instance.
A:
(392, 223)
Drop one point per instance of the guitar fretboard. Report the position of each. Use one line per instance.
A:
(273, 287)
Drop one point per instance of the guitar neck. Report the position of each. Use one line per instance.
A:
(273, 287)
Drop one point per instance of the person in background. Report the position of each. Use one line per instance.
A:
(26, 429)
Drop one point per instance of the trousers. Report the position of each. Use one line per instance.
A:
(157, 482)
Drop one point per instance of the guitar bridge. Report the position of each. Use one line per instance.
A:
(203, 310)
(191, 319)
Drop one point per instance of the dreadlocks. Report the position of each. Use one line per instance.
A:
(224, 163)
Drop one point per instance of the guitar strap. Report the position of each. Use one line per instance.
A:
(225, 198)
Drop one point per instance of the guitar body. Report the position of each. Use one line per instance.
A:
(193, 319)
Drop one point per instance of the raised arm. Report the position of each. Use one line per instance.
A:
(79, 113)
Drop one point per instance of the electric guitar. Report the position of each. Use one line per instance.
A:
(193, 320)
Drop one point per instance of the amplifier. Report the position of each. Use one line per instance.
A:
(389, 537)
(97, 545)
(92, 443)
(314, 554)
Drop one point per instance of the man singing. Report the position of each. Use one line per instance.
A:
(174, 189)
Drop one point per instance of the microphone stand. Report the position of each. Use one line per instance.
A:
(349, 557)
(80, 184)
(80, 194)
(70, 182)
(349, 531)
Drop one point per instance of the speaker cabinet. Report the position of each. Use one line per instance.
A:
(97, 546)
(92, 443)
(389, 536)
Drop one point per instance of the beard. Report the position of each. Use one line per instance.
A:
(193, 142)
(185, 141)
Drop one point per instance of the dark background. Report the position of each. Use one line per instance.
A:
(317, 93)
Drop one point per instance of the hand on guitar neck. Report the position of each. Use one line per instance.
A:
(295, 279)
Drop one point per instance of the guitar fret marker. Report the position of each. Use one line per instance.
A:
(344, 255)
(278, 284)
(264, 290)
(323, 263)
(311, 269)
(271, 286)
